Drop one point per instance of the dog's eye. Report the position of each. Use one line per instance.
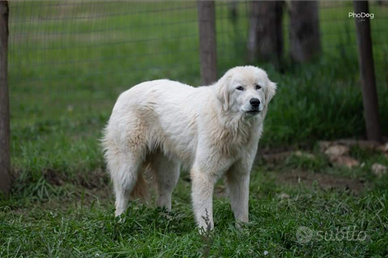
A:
(240, 88)
(258, 87)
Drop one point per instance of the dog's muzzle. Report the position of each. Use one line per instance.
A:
(253, 112)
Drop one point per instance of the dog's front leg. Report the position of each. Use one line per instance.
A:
(202, 197)
(237, 181)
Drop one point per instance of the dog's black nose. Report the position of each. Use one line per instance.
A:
(255, 102)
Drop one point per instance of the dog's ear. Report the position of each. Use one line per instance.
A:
(270, 92)
(223, 92)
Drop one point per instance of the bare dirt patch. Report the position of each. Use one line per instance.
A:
(324, 181)
(92, 180)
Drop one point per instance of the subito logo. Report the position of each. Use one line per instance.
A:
(304, 234)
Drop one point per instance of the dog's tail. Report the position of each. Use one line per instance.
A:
(140, 190)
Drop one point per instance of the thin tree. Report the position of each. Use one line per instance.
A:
(4, 102)
(207, 41)
(304, 32)
(367, 70)
(233, 11)
(265, 40)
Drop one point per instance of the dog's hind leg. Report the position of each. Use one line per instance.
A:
(166, 173)
(125, 147)
(124, 180)
(124, 166)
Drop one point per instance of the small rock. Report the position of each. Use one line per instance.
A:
(265, 253)
(304, 154)
(365, 145)
(336, 150)
(383, 148)
(323, 145)
(345, 161)
(378, 169)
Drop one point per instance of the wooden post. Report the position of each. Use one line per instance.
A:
(265, 40)
(365, 54)
(207, 41)
(5, 166)
(233, 12)
(304, 34)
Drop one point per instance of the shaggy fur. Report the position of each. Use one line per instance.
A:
(212, 131)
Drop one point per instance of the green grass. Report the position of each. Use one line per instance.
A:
(68, 221)
(64, 81)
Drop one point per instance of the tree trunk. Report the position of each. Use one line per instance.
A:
(304, 34)
(207, 41)
(4, 102)
(367, 69)
(233, 12)
(265, 40)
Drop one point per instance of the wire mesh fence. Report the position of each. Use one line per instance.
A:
(98, 49)
(90, 39)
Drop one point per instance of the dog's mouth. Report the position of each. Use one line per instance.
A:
(253, 112)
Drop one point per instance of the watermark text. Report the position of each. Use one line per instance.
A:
(350, 233)
(361, 15)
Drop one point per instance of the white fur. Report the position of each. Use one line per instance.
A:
(163, 124)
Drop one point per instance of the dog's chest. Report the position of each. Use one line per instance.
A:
(233, 142)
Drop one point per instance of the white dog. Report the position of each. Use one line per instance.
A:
(213, 131)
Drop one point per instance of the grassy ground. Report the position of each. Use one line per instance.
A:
(64, 81)
(66, 220)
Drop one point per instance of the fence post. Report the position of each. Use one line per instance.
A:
(304, 31)
(4, 102)
(207, 41)
(265, 36)
(369, 92)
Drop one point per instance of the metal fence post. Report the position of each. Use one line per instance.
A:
(207, 41)
(4, 102)
(367, 70)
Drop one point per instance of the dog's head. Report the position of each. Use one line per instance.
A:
(245, 89)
